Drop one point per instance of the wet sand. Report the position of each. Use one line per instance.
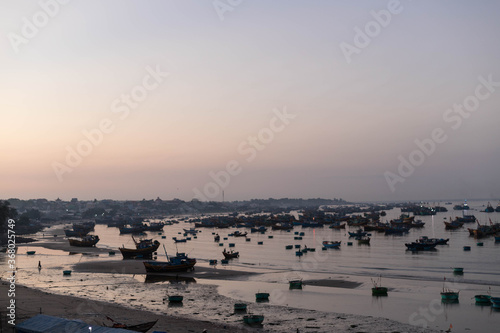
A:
(30, 302)
(333, 283)
(137, 267)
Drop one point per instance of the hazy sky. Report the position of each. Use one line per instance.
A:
(272, 98)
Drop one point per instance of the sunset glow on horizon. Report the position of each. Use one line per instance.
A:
(145, 99)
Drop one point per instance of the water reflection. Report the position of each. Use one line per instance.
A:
(155, 278)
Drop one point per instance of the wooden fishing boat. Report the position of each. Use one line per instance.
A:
(363, 240)
(212, 262)
(466, 248)
(289, 247)
(331, 244)
(216, 238)
(224, 261)
(240, 234)
(338, 225)
(453, 225)
(87, 241)
(132, 229)
(30, 253)
(295, 284)
(253, 319)
(357, 233)
(179, 263)
(75, 233)
(458, 270)
(179, 240)
(298, 253)
(67, 272)
(231, 254)
(240, 306)
(144, 327)
(144, 249)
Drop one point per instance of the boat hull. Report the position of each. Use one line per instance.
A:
(165, 266)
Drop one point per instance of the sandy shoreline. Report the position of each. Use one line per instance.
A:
(30, 302)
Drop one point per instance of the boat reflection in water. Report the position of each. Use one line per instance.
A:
(155, 278)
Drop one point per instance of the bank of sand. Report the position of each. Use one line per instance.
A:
(30, 302)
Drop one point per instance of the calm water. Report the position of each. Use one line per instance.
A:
(415, 279)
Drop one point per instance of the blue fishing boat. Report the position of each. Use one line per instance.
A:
(331, 244)
(357, 233)
(458, 270)
(68, 272)
(179, 263)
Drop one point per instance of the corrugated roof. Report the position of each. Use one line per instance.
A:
(49, 324)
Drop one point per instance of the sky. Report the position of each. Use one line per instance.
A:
(360, 100)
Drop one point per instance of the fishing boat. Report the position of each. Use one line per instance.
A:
(458, 270)
(224, 261)
(191, 231)
(331, 244)
(253, 319)
(289, 247)
(298, 253)
(144, 249)
(175, 298)
(144, 327)
(498, 208)
(179, 263)
(87, 241)
(448, 295)
(489, 208)
(363, 240)
(67, 272)
(338, 225)
(154, 226)
(240, 306)
(183, 240)
(377, 289)
(357, 233)
(231, 254)
(216, 238)
(240, 234)
(132, 229)
(497, 239)
(212, 262)
(466, 248)
(495, 302)
(453, 225)
(262, 297)
(75, 233)
(295, 284)
(30, 253)
(482, 299)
